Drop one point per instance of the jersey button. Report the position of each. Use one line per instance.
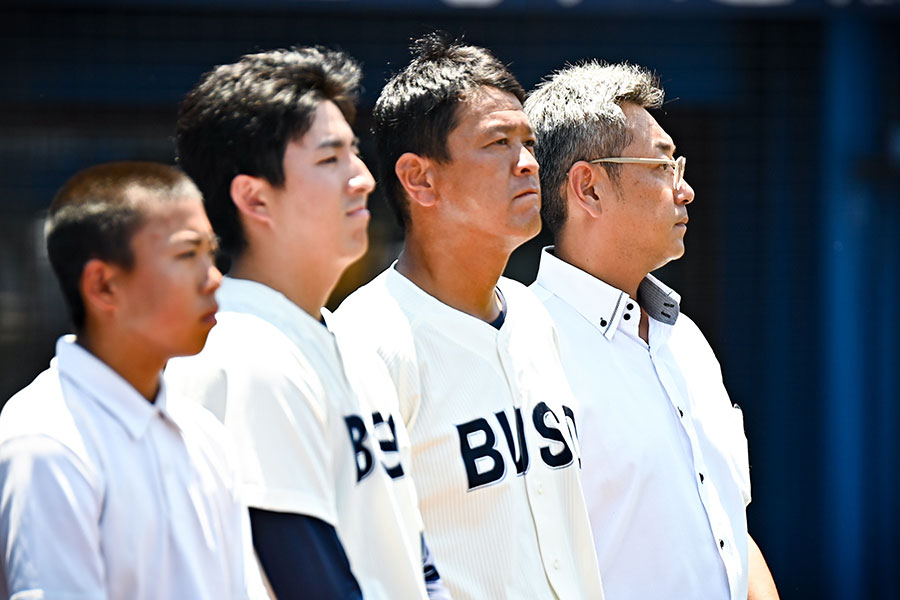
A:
(556, 563)
(540, 489)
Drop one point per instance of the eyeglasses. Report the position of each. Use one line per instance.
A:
(676, 164)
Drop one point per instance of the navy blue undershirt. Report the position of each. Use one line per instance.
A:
(498, 322)
(302, 557)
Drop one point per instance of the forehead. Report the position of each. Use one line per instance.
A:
(646, 134)
(161, 219)
(488, 107)
(328, 124)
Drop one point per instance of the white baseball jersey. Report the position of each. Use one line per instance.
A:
(495, 452)
(104, 495)
(310, 445)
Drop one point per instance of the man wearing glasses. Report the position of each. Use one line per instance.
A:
(665, 468)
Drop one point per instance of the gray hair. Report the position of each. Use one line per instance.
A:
(576, 115)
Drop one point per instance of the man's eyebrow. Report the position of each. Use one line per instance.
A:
(507, 128)
(665, 147)
(337, 143)
(195, 238)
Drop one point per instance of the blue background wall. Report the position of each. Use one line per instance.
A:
(790, 117)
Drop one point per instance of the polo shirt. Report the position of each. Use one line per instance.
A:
(492, 422)
(105, 495)
(665, 468)
(315, 431)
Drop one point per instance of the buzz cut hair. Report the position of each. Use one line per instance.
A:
(577, 114)
(96, 214)
(419, 106)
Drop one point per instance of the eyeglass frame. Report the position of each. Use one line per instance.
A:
(678, 164)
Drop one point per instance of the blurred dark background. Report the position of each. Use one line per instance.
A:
(789, 114)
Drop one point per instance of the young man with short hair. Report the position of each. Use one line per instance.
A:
(334, 515)
(108, 487)
(666, 474)
(473, 355)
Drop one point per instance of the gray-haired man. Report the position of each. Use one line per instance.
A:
(665, 466)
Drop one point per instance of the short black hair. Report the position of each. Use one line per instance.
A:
(240, 118)
(417, 108)
(96, 213)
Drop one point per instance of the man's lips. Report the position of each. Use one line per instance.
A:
(210, 316)
(359, 211)
(527, 193)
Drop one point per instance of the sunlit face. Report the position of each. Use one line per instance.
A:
(320, 212)
(166, 301)
(490, 185)
(649, 216)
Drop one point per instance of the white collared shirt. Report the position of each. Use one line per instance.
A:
(313, 426)
(665, 468)
(492, 420)
(105, 495)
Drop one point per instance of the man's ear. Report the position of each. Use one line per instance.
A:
(99, 286)
(415, 175)
(251, 197)
(586, 187)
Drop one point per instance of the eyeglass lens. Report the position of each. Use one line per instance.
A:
(679, 171)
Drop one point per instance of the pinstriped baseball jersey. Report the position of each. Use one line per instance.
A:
(495, 452)
(310, 444)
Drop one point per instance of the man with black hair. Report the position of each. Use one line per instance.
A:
(109, 488)
(333, 509)
(473, 355)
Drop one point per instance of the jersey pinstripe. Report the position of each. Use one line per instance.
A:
(310, 444)
(492, 423)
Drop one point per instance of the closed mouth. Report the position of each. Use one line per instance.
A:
(359, 210)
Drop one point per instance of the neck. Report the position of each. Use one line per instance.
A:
(463, 276)
(608, 263)
(134, 362)
(304, 282)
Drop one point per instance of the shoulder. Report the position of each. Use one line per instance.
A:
(526, 311)
(521, 298)
(41, 409)
(688, 340)
(246, 359)
(248, 344)
(378, 316)
(382, 302)
(40, 434)
(25, 412)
